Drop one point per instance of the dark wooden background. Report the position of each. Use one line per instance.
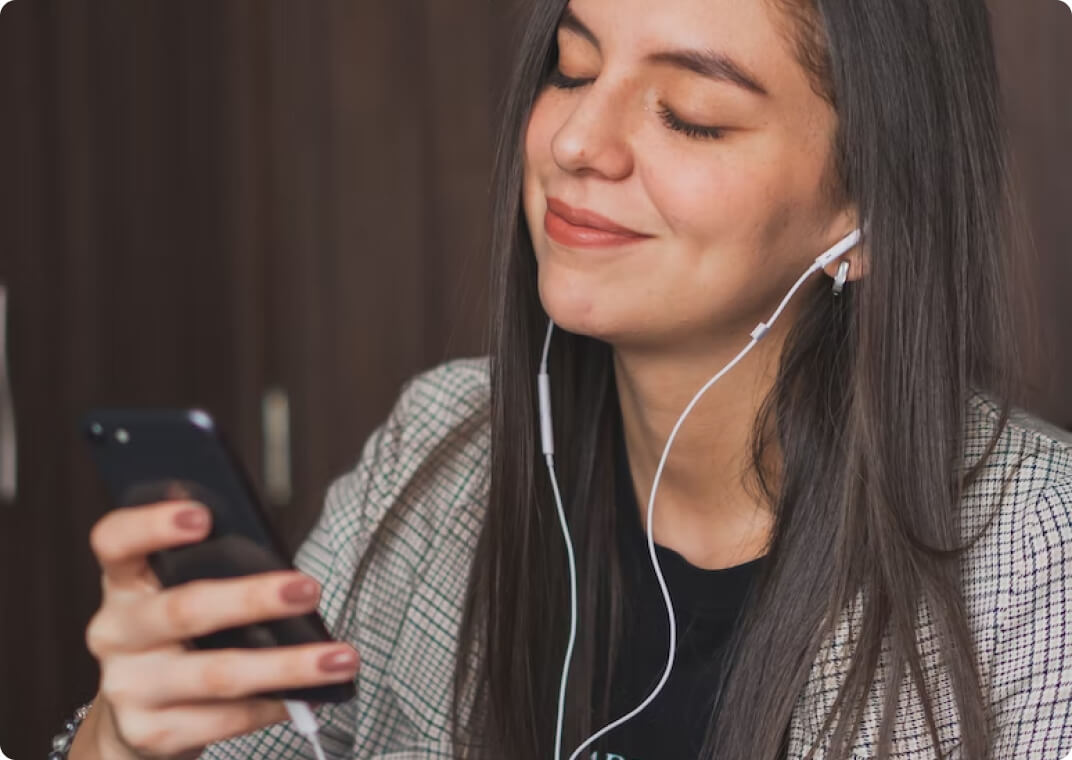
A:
(203, 200)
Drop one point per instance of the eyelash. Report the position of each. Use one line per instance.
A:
(562, 82)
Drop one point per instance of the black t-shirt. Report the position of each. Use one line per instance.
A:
(706, 605)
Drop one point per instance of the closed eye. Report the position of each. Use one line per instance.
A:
(560, 81)
(557, 79)
(692, 130)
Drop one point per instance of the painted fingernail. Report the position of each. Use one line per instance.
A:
(191, 519)
(338, 661)
(298, 591)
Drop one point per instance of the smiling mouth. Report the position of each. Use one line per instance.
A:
(580, 228)
(579, 217)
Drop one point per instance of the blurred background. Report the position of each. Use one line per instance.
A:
(277, 211)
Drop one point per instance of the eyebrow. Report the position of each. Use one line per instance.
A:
(707, 63)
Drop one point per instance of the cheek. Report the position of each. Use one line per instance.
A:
(704, 200)
(725, 215)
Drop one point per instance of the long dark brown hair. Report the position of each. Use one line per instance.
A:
(869, 408)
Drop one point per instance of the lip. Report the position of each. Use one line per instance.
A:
(580, 217)
(585, 229)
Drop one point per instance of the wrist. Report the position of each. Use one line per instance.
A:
(74, 733)
(95, 739)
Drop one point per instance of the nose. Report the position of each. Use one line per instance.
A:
(593, 139)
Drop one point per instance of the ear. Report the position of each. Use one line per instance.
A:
(857, 256)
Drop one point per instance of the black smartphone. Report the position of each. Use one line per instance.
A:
(151, 455)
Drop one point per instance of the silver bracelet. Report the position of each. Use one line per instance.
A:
(61, 742)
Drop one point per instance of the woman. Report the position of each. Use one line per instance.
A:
(867, 556)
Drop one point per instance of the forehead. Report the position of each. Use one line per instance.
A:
(750, 32)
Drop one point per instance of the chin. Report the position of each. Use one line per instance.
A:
(575, 308)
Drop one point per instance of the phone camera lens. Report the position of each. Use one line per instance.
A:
(95, 432)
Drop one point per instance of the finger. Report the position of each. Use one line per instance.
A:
(199, 607)
(122, 538)
(153, 733)
(224, 674)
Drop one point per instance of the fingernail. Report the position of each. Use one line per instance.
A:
(338, 661)
(192, 519)
(298, 591)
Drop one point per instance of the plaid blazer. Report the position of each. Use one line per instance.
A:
(393, 547)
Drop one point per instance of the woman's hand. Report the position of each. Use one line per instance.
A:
(158, 699)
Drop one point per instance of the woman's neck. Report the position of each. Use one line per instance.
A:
(707, 508)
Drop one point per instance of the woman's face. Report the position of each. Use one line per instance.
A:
(729, 218)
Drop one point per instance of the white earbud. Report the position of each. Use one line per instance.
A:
(547, 442)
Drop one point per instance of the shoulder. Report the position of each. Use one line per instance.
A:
(1029, 471)
(1025, 431)
(440, 425)
(424, 468)
(435, 401)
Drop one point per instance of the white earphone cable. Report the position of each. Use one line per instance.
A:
(547, 441)
(305, 723)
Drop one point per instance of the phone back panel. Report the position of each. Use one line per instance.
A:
(152, 455)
